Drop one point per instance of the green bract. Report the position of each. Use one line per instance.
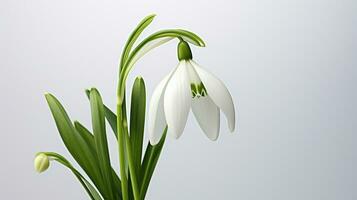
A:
(184, 51)
(89, 148)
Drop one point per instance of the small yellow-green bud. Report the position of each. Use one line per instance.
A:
(41, 162)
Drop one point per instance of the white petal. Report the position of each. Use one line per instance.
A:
(207, 115)
(177, 101)
(192, 74)
(218, 93)
(156, 115)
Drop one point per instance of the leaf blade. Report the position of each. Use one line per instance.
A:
(100, 139)
(90, 140)
(137, 122)
(134, 36)
(150, 160)
(74, 143)
(109, 115)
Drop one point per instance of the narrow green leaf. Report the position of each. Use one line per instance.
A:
(112, 119)
(137, 122)
(110, 116)
(90, 140)
(151, 157)
(86, 135)
(75, 144)
(92, 192)
(100, 139)
(134, 36)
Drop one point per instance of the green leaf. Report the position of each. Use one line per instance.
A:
(110, 116)
(112, 119)
(92, 192)
(88, 136)
(100, 140)
(134, 36)
(137, 122)
(75, 144)
(151, 157)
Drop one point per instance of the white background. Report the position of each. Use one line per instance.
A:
(289, 64)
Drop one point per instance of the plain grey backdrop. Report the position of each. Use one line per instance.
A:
(290, 66)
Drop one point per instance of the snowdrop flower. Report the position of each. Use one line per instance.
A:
(189, 86)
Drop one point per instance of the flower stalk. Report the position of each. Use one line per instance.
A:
(121, 140)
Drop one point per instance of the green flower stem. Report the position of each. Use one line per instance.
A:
(133, 176)
(121, 140)
(123, 137)
(124, 124)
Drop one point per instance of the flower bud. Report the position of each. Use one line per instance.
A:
(41, 162)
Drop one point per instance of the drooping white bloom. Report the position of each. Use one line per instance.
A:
(189, 86)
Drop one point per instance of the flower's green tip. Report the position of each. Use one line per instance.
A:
(93, 89)
(184, 50)
(139, 78)
(41, 162)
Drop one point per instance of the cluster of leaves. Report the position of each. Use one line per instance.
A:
(90, 149)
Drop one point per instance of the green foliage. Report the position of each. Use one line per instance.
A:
(151, 157)
(100, 139)
(76, 145)
(90, 141)
(134, 36)
(137, 122)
